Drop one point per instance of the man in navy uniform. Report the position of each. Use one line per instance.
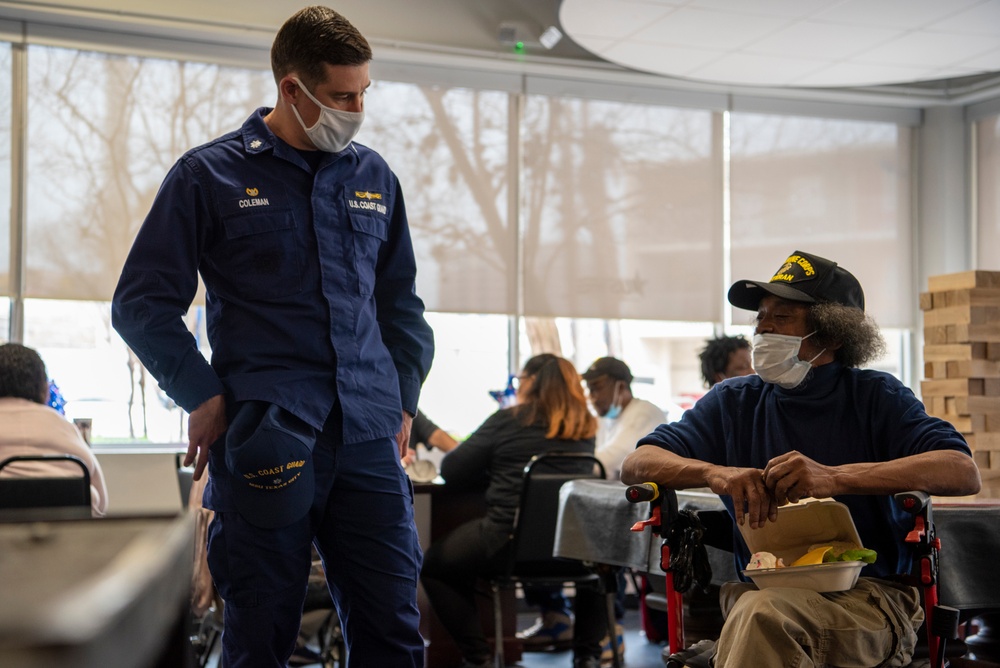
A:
(319, 349)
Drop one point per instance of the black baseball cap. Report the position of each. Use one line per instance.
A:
(803, 277)
(269, 454)
(608, 366)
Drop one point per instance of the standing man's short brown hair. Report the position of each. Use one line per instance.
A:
(314, 37)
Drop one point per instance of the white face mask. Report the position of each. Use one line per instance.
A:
(334, 129)
(776, 359)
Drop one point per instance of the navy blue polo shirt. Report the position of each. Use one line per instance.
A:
(309, 283)
(838, 416)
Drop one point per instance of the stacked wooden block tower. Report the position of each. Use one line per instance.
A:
(962, 359)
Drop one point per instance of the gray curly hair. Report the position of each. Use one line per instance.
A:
(856, 332)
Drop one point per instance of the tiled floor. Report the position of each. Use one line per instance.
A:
(639, 653)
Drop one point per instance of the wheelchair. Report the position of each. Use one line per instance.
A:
(686, 534)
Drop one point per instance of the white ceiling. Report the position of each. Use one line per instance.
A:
(944, 44)
(801, 43)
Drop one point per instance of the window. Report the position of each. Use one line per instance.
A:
(6, 94)
(988, 192)
(470, 359)
(839, 189)
(621, 208)
(103, 131)
(619, 234)
(448, 147)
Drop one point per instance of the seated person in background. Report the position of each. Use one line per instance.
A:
(29, 427)
(625, 419)
(812, 424)
(551, 415)
(725, 357)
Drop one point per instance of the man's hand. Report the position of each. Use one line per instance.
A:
(793, 476)
(751, 498)
(205, 425)
(409, 457)
(403, 437)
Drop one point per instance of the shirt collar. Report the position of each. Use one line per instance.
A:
(258, 138)
(820, 381)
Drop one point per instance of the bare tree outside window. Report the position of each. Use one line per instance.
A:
(103, 131)
(621, 210)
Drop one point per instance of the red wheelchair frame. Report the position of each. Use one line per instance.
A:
(941, 622)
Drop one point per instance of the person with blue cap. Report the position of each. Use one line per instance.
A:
(319, 350)
(811, 423)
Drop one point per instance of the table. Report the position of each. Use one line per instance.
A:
(595, 523)
(437, 511)
(96, 593)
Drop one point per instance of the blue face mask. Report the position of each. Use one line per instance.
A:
(615, 410)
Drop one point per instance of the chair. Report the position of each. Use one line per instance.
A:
(533, 537)
(65, 497)
(941, 622)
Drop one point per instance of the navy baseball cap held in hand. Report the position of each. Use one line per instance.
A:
(803, 277)
(269, 454)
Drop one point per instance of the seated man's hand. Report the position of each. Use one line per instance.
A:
(793, 476)
(751, 498)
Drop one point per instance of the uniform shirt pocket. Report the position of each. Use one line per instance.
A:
(368, 213)
(261, 255)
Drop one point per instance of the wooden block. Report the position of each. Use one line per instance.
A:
(984, 441)
(963, 280)
(977, 406)
(991, 386)
(993, 472)
(951, 406)
(974, 297)
(963, 315)
(937, 335)
(934, 406)
(968, 369)
(937, 369)
(992, 351)
(967, 333)
(962, 423)
(952, 387)
(926, 301)
(982, 459)
(951, 351)
(984, 422)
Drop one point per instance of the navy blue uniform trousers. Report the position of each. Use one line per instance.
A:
(362, 524)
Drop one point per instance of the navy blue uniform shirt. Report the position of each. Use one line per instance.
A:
(309, 283)
(837, 416)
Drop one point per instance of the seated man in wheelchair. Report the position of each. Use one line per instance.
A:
(812, 424)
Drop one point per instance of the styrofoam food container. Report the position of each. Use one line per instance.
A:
(834, 576)
(797, 527)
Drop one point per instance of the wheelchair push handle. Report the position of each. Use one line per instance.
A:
(646, 491)
(912, 502)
